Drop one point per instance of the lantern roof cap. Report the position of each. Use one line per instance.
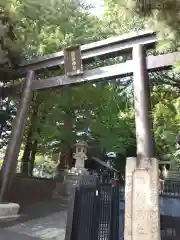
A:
(81, 144)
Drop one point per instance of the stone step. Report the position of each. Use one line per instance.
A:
(9, 211)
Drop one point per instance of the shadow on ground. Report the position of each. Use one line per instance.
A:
(38, 210)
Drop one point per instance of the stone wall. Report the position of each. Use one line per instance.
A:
(28, 190)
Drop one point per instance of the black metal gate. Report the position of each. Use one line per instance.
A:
(170, 229)
(93, 212)
(170, 211)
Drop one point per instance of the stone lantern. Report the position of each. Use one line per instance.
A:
(75, 173)
(80, 156)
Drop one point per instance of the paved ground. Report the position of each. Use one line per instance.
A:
(47, 221)
(44, 221)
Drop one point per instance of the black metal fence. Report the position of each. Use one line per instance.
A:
(170, 210)
(171, 188)
(96, 211)
(170, 229)
(93, 212)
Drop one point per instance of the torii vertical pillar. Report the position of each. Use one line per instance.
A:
(8, 169)
(142, 218)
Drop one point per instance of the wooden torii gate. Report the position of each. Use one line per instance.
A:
(141, 172)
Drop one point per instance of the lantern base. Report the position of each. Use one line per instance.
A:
(72, 178)
(78, 171)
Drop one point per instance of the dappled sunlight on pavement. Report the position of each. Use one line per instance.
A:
(49, 227)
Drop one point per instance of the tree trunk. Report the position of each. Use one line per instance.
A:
(68, 124)
(62, 160)
(31, 144)
(65, 158)
(32, 157)
(26, 155)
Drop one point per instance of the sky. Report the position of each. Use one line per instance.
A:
(98, 6)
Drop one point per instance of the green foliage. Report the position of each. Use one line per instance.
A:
(31, 28)
(161, 16)
(91, 112)
(162, 12)
(44, 165)
(166, 116)
(7, 114)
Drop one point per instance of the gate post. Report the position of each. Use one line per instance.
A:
(83, 209)
(115, 212)
(142, 212)
(70, 213)
(10, 160)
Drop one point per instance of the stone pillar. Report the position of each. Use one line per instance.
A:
(141, 209)
(130, 167)
(145, 211)
(142, 218)
(10, 160)
(142, 104)
(155, 211)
